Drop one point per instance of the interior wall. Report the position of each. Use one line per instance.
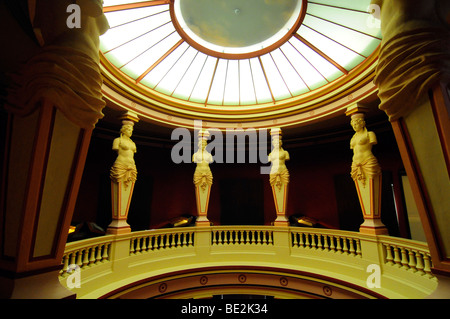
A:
(164, 190)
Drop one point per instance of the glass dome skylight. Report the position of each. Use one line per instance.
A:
(148, 43)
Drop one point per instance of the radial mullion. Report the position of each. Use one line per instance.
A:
(159, 60)
(137, 37)
(343, 26)
(198, 77)
(281, 75)
(212, 80)
(304, 82)
(148, 49)
(319, 52)
(239, 81)
(309, 62)
(225, 82)
(171, 67)
(151, 15)
(336, 7)
(134, 5)
(356, 52)
(184, 73)
(265, 77)
(253, 81)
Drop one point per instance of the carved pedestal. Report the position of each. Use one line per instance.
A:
(202, 199)
(280, 194)
(120, 200)
(369, 195)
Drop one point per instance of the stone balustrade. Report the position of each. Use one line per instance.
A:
(110, 262)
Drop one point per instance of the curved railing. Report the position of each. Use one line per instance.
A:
(105, 264)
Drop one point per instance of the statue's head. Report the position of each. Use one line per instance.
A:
(127, 130)
(357, 122)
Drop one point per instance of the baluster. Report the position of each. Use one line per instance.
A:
(257, 235)
(358, 247)
(352, 247)
(132, 246)
(270, 238)
(165, 241)
(214, 238)
(325, 241)
(412, 261)
(294, 240)
(420, 263)
(404, 258)
(186, 238)
(144, 246)
(92, 256)
(179, 244)
(65, 265)
(307, 240)
(345, 248)
(172, 242)
(319, 242)
(138, 245)
(332, 246)
(338, 244)
(79, 258)
(397, 259)
(191, 239)
(98, 258)
(105, 255)
(389, 258)
(85, 253)
(427, 265)
(301, 242)
(313, 241)
(72, 258)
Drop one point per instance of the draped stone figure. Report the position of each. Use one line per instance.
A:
(65, 72)
(279, 177)
(415, 52)
(367, 175)
(203, 178)
(123, 175)
(364, 163)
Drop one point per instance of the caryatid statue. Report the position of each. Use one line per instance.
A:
(366, 173)
(279, 176)
(203, 178)
(123, 176)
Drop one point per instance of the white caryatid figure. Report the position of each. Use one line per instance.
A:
(366, 173)
(203, 178)
(279, 176)
(123, 176)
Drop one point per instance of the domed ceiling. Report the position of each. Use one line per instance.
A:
(235, 60)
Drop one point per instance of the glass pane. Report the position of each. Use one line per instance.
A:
(189, 79)
(231, 96)
(247, 89)
(339, 53)
(117, 18)
(158, 73)
(203, 83)
(290, 75)
(170, 81)
(262, 89)
(216, 94)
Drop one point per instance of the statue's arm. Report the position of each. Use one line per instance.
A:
(116, 144)
(372, 138)
(287, 156)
